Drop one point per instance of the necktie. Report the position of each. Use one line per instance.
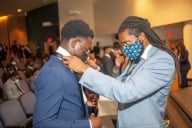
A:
(132, 67)
(82, 100)
(18, 88)
(128, 72)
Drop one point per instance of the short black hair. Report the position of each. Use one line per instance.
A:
(135, 25)
(11, 71)
(75, 28)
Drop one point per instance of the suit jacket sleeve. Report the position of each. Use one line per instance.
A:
(151, 77)
(48, 104)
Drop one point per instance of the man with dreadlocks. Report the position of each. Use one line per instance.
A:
(142, 89)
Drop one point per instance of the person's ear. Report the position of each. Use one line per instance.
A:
(142, 36)
(74, 42)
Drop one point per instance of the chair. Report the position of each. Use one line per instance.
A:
(27, 101)
(22, 75)
(23, 86)
(31, 83)
(1, 83)
(1, 124)
(13, 116)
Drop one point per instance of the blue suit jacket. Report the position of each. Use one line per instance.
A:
(142, 97)
(58, 103)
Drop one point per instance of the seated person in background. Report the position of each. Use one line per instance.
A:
(11, 87)
(29, 68)
(121, 62)
(32, 79)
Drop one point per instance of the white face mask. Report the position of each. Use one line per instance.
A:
(13, 63)
(16, 81)
(30, 67)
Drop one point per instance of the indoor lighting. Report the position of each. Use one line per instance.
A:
(3, 17)
(19, 10)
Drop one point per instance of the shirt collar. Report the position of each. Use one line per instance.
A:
(108, 55)
(62, 51)
(146, 51)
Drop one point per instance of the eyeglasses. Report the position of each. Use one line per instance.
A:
(87, 49)
(125, 43)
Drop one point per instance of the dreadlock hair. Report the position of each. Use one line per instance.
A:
(75, 28)
(135, 25)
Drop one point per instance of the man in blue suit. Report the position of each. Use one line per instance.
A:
(143, 88)
(59, 100)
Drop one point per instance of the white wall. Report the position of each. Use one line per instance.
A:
(110, 13)
(177, 32)
(84, 6)
(187, 36)
(106, 39)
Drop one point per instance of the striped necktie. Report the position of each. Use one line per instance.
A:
(19, 89)
(132, 67)
(128, 72)
(82, 100)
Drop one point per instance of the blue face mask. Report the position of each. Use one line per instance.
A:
(133, 51)
(84, 56)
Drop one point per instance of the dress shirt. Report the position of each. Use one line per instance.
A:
(146, 51)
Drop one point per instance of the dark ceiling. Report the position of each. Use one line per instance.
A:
(9, 7)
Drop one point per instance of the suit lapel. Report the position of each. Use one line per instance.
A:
(142, 61)
(81, 98)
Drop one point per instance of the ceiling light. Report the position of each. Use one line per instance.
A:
(19, 10)
(74, 12)
(47, 23)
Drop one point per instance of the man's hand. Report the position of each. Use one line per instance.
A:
(95, 121)
(92, 99)
(75, 64)
(91, 63)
